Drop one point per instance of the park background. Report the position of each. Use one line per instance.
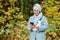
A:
(14, 15)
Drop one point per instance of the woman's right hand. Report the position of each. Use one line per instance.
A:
(31, 26)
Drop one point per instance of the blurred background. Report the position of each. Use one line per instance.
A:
(14, 15)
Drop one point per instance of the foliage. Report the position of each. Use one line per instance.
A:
(15, 13)
(51, 9)
(12, 23)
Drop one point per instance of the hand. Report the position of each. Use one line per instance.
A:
(36, 26)
(31, 26)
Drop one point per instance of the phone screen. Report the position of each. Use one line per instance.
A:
(32, 23)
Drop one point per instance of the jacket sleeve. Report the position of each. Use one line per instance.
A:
(44, 24)
(28, 24)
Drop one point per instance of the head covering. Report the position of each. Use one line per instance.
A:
(39, 16)
(37, 7)
(36, 18)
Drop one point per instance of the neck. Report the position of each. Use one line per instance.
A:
(39, 15)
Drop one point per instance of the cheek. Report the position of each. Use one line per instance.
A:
(36, 12)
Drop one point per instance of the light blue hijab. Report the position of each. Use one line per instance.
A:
(37, 7)
(37, 21)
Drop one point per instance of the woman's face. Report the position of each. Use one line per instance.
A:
(36, 12)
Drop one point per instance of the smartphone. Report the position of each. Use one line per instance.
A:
(32, 23)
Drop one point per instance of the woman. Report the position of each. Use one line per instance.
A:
(37, 24)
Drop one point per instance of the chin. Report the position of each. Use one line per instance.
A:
(36, 14)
